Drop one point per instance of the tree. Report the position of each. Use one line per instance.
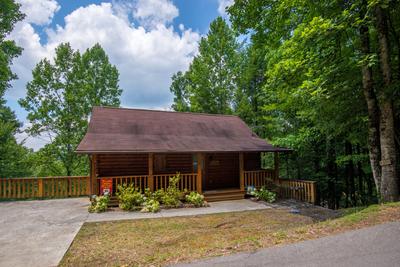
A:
(9, 15)
(13, 155)
(313, 58)
(211, 81)
(179, 87)
(60, 97)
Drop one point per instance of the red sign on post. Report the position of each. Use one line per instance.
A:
(106, 186)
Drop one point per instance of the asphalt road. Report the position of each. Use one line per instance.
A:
(373, 246)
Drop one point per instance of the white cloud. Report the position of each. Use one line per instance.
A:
(39, 12)
(222, 5)
(145, 57)
(151, 13)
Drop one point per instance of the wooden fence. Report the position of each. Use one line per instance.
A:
(258, 178)
(296, 189)
(44, 187)
(187, 181)
(159, 181)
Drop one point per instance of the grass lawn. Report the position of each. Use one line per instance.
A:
(154, 242)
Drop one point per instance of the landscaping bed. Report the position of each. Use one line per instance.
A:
(163, 241)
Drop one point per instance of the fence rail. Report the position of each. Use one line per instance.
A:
(258, 178)
(44, 187)
(296, 189)
(187, 181)
(159, 181)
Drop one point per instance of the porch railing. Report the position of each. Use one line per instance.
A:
(296, 189)
(187, 181)
(258, 178)
(160, 181)
(44, 187)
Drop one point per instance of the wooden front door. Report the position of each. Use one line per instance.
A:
(221, 171)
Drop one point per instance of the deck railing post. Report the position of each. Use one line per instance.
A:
(199, 178)
(151, 177)
(241, 171)
(276, 165)
(40, 187)
(93, 176)
(313, 193)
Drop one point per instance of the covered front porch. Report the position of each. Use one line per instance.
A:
(219, 176)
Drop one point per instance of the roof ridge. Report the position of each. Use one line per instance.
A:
(167, 111)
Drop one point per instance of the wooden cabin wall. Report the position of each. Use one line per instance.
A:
(173, 163)
(122, 164)
(252, 161)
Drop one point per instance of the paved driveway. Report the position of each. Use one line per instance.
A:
(37, 233)
(368, 247)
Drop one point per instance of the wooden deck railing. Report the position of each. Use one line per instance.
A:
(258, 178)
(297, 189)
(44, 187)
(187, 181)
(138, 181)
(160, 181)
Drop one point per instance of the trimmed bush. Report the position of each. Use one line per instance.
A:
(265, 194)
(196, 199)
(151, 205)
(129, 197)
(99, 203)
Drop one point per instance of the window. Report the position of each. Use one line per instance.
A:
(195, 163)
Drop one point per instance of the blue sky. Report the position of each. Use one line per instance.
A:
(147, 40)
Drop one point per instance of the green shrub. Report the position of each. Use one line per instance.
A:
(129, 197)
(158, 195)
(172, 195)
(99, 203)
(196, 199)
(151, 205)
(264, 194)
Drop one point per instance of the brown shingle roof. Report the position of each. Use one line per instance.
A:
(121, 130)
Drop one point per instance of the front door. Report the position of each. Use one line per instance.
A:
(221, 171)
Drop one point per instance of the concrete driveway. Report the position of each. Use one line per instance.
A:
(369, 247)
(37, 233)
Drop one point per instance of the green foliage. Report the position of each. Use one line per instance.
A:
(172, 195)
(129, 197)
(264, 194)
(99, 204)
(210, 83)
(9, 15)
(151, 205)
(196, 199)
(60, 98)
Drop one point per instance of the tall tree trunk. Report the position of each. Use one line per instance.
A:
(372, 107)
(350, 174)
(389, 182)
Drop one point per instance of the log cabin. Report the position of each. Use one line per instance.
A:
(216, 155)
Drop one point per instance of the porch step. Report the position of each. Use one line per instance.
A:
(225, 194)
(113, 202)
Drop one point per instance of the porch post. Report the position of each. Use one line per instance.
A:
(241, 171)
(150, 172)
(93, 176)
(199, 181)
(276, 165)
